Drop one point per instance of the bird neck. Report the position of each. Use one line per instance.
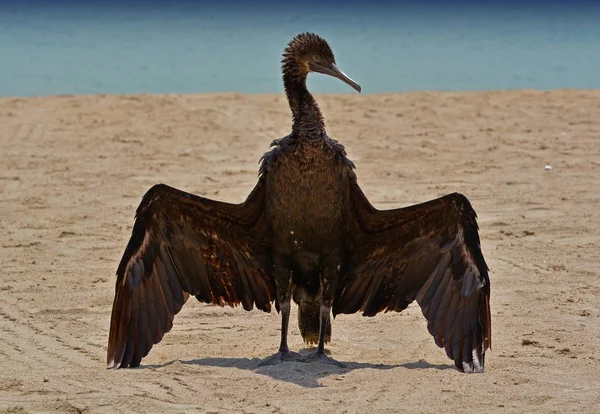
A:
(308, 121)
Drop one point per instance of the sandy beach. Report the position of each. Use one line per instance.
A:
(73, 170)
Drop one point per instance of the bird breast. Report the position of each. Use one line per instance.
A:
(305, 202)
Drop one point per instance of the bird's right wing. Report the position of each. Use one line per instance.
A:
(429, 252)
(184, 244)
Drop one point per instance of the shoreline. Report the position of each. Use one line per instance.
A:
(316, 94)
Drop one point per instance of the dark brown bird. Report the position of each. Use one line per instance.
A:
(306, 233)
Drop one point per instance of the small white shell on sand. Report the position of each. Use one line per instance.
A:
(548, 168)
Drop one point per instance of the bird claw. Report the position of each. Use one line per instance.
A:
(324, 359)
(280, 358)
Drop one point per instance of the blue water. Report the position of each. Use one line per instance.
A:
(69, 48)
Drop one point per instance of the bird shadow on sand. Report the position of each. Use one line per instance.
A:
(304, 374)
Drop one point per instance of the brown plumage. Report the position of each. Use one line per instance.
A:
(306, 233)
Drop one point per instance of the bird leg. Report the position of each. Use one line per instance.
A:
(285, 322)
(283, 278)
(319, 354)
(325, 309)
(329, 277)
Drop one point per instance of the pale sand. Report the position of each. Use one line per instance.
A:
(73, 170)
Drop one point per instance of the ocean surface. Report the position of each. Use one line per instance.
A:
(49, 48)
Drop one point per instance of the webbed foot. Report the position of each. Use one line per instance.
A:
(280, 357)
(324, 359)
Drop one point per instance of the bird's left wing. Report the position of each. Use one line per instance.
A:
(429, 252)
(183, 244)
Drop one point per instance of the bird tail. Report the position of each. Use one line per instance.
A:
(309, 321)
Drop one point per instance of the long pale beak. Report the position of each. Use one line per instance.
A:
(333, 70)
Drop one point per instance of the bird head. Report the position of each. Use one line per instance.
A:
(308, 52)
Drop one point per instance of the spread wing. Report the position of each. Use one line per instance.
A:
(185, 245)
(429, 252)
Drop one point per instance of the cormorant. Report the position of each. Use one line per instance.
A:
(305, 233)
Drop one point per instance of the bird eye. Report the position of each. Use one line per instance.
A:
(316, 58)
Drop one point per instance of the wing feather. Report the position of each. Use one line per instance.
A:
(430, 253)
(182, 244)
